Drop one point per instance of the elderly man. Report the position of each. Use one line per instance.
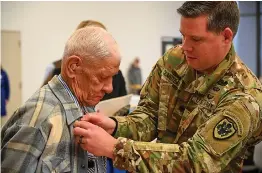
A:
(39, 136)
(200, 101)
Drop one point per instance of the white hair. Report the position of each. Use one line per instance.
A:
(88, 42)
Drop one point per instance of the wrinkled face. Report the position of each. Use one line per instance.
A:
(204, 49)
(95, 80)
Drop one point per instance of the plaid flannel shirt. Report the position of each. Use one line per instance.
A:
(39, 135)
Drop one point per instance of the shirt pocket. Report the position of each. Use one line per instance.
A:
(54, 164)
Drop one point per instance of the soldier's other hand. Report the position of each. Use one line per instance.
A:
(94, 139)
(99, 119)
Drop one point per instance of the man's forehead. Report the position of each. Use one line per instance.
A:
(108, 68)
(193, 26)
(192, 34)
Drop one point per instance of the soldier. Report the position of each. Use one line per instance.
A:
(200, 101)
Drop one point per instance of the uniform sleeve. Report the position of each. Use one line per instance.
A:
(141, 123)
(212, 147)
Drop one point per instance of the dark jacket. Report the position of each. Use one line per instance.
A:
(56, 71)
(5, 91)
(119, 87)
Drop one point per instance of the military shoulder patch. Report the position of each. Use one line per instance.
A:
(224, 129)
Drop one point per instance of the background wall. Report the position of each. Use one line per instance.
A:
(45, 27)
(248, 37)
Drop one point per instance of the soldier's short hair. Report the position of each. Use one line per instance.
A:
(219, 14)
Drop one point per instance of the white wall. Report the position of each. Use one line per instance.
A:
(45, 27)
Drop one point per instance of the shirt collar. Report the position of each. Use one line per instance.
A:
(84, 109)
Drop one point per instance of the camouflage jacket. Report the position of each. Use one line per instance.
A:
(202, 123)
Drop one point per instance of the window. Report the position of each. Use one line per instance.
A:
(248, 41)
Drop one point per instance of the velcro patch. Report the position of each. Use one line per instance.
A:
(224, 129)
(221, 132)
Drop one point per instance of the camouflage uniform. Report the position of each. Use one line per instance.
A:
(203, 123)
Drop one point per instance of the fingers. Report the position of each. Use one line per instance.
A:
(90, 117)
(78, 131)
(82, 128)
(81, 135)
(83, 124)
(85, 117)
(93, 115)
(81, 140)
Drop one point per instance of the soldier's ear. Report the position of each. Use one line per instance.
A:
(228, 35)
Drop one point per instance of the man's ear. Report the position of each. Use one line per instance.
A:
(73, 66)
(228, 35)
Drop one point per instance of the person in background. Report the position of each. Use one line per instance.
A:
(5, 91)
(135, 77)
(201, 103)
(52, 70)
(39, 135)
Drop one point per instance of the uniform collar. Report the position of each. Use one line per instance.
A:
(203, 83)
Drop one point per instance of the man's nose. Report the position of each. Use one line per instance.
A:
(108, 87)
(186, 46)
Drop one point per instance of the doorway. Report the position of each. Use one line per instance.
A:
(11, 63)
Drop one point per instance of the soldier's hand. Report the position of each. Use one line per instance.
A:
(94, 139)
(100, 120)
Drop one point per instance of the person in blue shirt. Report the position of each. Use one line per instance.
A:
(5, 91)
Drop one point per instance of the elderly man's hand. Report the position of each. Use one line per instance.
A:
(94, 139)
(100, 120)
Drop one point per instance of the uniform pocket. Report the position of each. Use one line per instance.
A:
(164, 91)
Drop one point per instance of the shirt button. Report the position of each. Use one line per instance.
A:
(83, 166)
(91, 164)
